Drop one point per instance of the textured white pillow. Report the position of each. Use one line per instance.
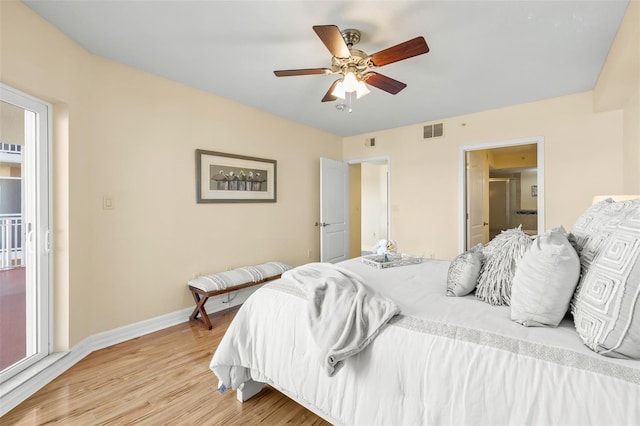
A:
(545, 280)
(464, 271)
(592, 230)
(606, 307)
(501, 258)
(591, 222)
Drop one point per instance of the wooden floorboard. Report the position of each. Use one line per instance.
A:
(162, 378)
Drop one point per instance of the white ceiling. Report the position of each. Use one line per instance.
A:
(484, 54)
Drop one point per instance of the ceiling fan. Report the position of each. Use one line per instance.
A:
(355, 66)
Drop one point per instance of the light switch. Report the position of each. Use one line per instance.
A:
(107, 203)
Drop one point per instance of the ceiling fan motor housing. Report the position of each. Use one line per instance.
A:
(358, 59)
(351, 36)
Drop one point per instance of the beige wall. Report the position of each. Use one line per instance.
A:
(132, 136)
(583, 156)
(631, 154)
(618, 87)
(591, 146)
(122, 133)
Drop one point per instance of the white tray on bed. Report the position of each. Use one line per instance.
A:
(381, 261)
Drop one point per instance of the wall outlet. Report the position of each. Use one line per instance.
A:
(309, 253)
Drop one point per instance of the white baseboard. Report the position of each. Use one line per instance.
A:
(23, 385)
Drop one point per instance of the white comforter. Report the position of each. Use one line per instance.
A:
(443, 361)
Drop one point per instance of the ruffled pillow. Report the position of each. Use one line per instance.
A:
(464, 271)
(501, 258)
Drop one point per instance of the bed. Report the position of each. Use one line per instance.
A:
(441, 361)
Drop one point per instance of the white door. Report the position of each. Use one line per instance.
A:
(25, 261)
(477, 199)
(334, 210)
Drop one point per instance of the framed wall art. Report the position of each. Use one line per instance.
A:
(230, 178)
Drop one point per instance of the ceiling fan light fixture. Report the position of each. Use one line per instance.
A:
(362, 90)
(350, 82)
(339, 91)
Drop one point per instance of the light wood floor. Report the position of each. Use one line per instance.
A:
(159, 379)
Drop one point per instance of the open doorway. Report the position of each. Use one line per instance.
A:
(501, 187)
(513, 200)
(369, 204)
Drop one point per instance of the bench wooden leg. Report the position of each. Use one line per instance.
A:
(201, 297)
(199, 309)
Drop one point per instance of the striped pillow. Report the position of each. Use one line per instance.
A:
(239, 276)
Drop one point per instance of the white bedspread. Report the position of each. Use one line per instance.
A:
(344, 315)
(442, 361)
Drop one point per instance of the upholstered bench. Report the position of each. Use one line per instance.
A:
(206, 286)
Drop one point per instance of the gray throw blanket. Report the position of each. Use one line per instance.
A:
(344, 315)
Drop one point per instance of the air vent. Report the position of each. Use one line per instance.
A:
(433, 130)
(370, 142)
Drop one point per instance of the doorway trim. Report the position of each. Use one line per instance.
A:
(462, 187)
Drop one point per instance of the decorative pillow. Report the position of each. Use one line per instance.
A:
(607, 302)
(501, 258)
(589, 222)
(545, 280)
(235, 277)
(464, 271)
(268, 270)
(592, 230)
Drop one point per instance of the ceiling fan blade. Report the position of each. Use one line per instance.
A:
(408, 49)
(383, 82)
(306, 71)
(332, 38)
(328, 97)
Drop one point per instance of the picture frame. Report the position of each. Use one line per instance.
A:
(231, 178)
